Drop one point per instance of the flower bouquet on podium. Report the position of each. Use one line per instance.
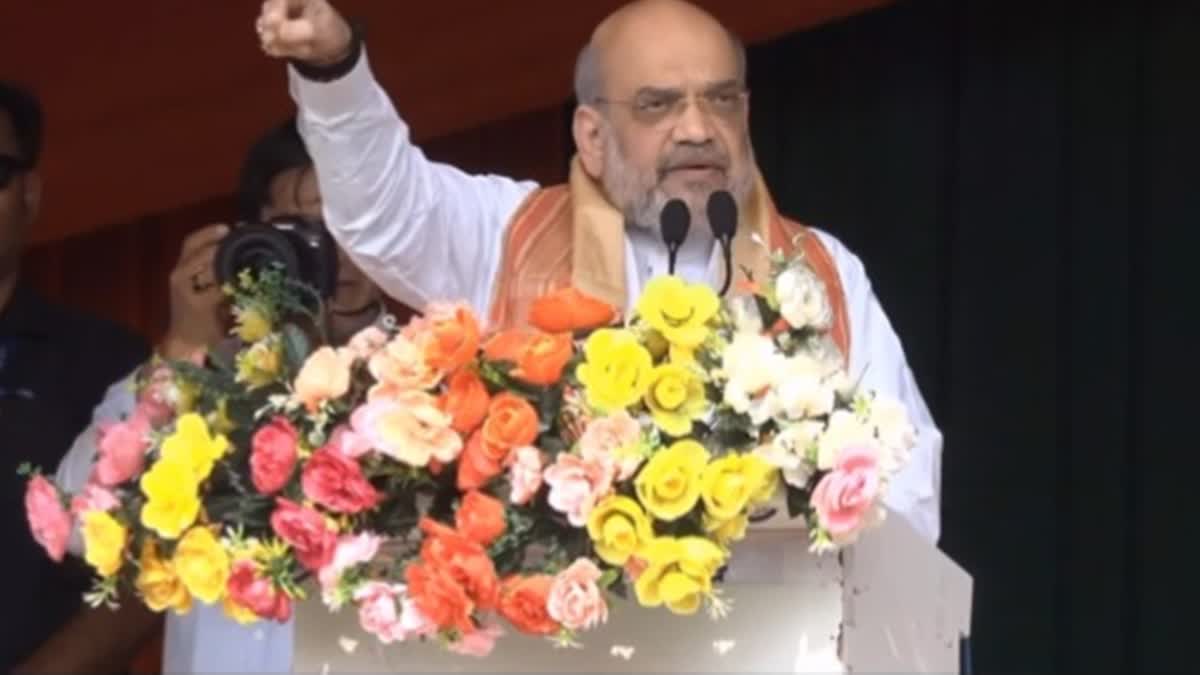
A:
(446, 482)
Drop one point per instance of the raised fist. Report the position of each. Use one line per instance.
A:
(311, 31)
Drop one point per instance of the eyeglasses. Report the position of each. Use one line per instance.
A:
(10, 167)
(654, 106)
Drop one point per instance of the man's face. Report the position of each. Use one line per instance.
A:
(295, 192)
(675, 124)
(18, 203)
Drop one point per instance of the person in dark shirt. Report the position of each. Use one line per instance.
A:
(55, 363)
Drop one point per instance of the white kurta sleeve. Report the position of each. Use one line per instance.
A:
(877, 355)
(422, 230)
(75, 468)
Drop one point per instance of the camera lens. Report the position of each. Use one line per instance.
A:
(303, 252)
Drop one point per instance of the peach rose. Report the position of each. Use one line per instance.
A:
(845, 495)
(614, 439)
(575, 598)
(325, 375)
(451, 338)
(367, 342)
(401, 366)
(524, 473)
(466, 400)
(408, 427)
(523, 603)
(576, 484)
(568, 310)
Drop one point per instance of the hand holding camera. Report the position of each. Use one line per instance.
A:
(195, 295)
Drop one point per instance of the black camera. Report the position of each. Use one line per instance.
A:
(304, 251)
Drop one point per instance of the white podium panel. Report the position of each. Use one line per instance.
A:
(892, 603)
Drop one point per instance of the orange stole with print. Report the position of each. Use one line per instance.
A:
(569, 236)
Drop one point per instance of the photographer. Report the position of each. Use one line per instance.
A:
(277, 182)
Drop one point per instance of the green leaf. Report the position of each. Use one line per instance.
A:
(609, 577)
(296, 346)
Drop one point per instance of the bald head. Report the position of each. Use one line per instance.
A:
(649, 30)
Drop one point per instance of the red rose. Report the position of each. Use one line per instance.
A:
(306, 532)
(273, 455)
(336, 482)
(257, 593)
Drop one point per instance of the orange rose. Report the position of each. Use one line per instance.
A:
(452, 337)
(539, 357)
(439, 597)
(466, 400)
(523, 603)
(479, 462)
(480, 518)
(467, 563)
(568, 310)
(512, 422)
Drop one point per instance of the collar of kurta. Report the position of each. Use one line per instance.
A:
(598, 250)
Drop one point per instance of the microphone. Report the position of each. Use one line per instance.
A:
(722, 218)
(674, 223)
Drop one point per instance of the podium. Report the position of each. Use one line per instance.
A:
(890, 603)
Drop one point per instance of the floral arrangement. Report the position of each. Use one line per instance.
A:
(444, 482)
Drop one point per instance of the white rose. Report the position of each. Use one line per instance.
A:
(753, 365)
(894, 430)
(802, 300)
(803, 390)
(746, 317)
(788, 451)
(844, 429)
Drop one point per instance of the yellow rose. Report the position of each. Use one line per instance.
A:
(260, 364)
(678, 573)
(252, 324)
(675, 397)
(172, 503)
(733, 482)
(192, 445)
(160, 587)
(678, 310)
(202, 563)
(616, 369)
(618, 528)
(103, 542)
(669, 484)
(727, 531)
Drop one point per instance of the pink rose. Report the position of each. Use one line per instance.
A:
(156, 402)
(575, 600)
(845, 494)
(273, 455)
(93, 498)
(614, 439)
(257, 593)
(379, 615)
(344, 440)
(48, 519)
(122, 453)
(525, 473)
(336, 482)
(477, 643)
(366, 342)
(576, 484)
(351, 550)
(307, 533)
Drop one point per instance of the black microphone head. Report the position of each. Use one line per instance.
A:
(675, 221)
(722, 215)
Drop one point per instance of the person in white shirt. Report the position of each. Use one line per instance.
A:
(276, 181)
(426, 231)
